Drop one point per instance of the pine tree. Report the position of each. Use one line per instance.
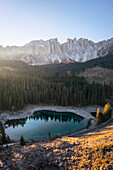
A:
(4, 139)
(89, 122)
(22, 141)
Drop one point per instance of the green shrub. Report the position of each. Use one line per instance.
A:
(89, 123)
(22, 141)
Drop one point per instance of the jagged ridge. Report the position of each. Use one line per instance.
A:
(41, 52)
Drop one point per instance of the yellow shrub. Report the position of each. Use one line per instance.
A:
(97, 114)
(106, 108)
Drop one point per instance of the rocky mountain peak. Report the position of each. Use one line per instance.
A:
(39, 52)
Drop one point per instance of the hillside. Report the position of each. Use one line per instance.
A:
(57, 84)
(105, 62)
(98, 74)
(90, 151)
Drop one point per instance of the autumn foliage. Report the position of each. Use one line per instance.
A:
(105, 115)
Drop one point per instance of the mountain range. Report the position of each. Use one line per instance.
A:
(41, 52)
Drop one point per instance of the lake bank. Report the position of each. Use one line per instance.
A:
(29, 111)
(43, 123)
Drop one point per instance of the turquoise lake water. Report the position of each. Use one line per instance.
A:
(44, 122)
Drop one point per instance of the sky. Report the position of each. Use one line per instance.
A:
(22, 21)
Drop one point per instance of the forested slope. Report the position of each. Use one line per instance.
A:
(21, 84)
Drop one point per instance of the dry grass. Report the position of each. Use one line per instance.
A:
(92, 151)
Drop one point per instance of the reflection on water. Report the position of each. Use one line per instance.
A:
(43, 122)
(46, 115)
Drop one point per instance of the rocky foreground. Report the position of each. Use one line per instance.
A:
(91, 151)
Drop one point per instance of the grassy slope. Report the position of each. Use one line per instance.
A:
(94, 150)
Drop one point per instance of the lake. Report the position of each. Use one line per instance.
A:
(44, 122)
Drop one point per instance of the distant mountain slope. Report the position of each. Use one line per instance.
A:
(99, 75)
(105, 62)
(51, 51)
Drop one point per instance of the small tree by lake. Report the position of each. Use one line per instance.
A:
(89, 123)
(97, 114)
(3, 137)
(22, 141)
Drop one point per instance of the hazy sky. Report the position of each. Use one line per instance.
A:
(24, 20)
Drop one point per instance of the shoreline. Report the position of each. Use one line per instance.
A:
(30, 109)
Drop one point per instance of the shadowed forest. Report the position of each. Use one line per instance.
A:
(57, 84)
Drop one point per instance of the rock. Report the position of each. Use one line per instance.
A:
(85, 43)
(41, 52)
